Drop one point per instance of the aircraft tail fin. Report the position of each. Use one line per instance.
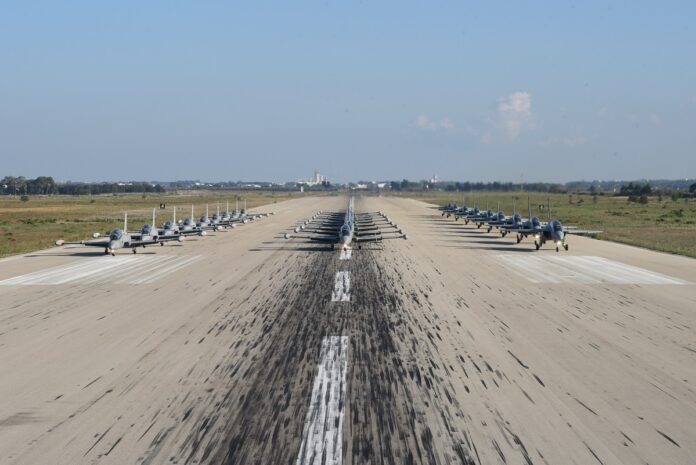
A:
(125, 222)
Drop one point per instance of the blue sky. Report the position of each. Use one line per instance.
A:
(551, 91)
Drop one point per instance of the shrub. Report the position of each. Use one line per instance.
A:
(24, 198)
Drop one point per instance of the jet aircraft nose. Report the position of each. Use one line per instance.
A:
(113, 245)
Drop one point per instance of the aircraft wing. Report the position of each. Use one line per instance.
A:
(522, 230)
(138, 242)
(91, 243)
(376, 238)
(324, 239)
(581, 232)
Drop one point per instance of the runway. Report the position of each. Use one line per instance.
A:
(454, 346)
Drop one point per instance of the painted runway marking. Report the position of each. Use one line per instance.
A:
(135, 269)
(341, 290)
(322, 436)
(346, 253)
(582, 269)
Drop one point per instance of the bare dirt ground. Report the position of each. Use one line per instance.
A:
(454, 346)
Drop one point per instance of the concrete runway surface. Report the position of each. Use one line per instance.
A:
(451, 347)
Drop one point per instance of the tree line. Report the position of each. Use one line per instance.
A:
(46, 185)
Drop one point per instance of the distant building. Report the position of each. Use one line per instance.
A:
(434, 179)
(313, 181)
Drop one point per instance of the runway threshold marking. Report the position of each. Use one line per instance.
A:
(346, 253)
(341, 290)
(135, 269)
(322, 437)
(582, 269)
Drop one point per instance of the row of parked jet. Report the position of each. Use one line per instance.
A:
(549, 231)
(171, 230)
(344, 228)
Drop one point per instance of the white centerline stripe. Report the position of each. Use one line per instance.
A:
(341, 290)
(322, 437)
(346, 253)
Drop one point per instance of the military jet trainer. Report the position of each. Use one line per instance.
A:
(344, 228)
(118, 239)
(552, 231)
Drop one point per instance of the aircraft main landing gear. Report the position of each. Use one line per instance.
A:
(519, 238)
(536, 244)
(565, 246)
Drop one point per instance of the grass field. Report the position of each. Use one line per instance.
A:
(37, 223)
(661, 224)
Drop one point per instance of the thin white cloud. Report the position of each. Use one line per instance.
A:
(515, 113)
(566, 141)
(424, 122)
